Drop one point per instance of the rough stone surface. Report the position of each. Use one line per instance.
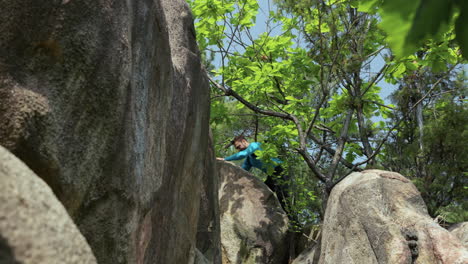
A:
(106, 101)
(34, 226)
(460, 230)
(309, 256)
(253, 225)
(378, 216)
(201, 259)
(209, 229)
(311, 248)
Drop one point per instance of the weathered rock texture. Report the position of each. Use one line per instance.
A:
(460, 230)
(310, 252)
(310, 255)
(201, 259)
(253, 225)
(34, 226)
(379, 217)
(107, 102)
(209, 229)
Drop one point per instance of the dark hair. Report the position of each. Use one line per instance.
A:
(238, 138)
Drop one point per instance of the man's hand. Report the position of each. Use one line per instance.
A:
(219, 158)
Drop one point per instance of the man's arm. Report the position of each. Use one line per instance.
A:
(240, 155)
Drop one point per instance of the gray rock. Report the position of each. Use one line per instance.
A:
(378, 216)
(311, 254)
(209, 229)
(253, 224)
(460, 230)
(106, 101)
(34, 226)
(200, 258)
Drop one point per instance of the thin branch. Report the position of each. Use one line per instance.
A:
(445, 92)
(434, 85)
(379, 104)
(236, 29)
(331, 151)
(317, 112)
(375, 52)
(222, 50)
(278, 86)
(362, 130)
(230, 92)
(217, 96)
(376, 78)
(397, 124)
(341, 144)
(319, 155)
(312, 165)
(324, 129)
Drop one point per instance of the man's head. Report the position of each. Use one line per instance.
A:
(240, 143)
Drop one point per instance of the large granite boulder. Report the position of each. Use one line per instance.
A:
(209, 229)
(107, 102)
(310, 248)
(378, 216)
(34, 226)
(253, 224)
(460, 230)
(310, 255)
(201, 259)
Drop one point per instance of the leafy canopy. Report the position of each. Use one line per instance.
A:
(306, 86)
(409, 24)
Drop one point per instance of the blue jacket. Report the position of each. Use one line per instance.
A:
(251, 159)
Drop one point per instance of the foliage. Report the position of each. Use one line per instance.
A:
(306, 89)
(434, 157)
(410, 24)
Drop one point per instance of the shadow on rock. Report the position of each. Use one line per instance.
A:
(253, 224)
(6, 253)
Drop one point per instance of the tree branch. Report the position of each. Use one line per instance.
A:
(376, 78)
(312, 165)
(317, 112)
(302, 150)
(362, 131)
(331, 151)
(379, 104)
(341, 144)
(397, 124)
(230, 92)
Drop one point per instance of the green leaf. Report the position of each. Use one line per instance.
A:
(452, 56)
(401, 68)
(461, 28)
(430, 16)
(397, 16)
(367, 6)
(409, 24)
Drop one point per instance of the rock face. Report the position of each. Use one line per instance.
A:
(311, 254)
(106, 101)
(209, 229)
(379, 217)
(34, 226)
(253, 225)
(460, 230)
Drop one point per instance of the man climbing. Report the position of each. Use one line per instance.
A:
(247, 152)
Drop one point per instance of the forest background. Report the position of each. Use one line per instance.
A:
(305, 78)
